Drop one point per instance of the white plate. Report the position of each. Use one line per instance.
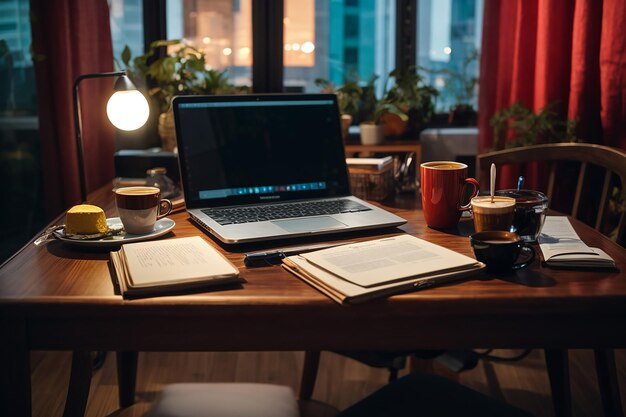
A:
(161, 227)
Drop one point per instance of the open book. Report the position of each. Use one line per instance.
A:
(561, 247)
(168, 266)
(362, 271)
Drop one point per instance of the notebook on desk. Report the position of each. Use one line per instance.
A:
(259, 167)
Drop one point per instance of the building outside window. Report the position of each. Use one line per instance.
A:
(222, 29)
(20, 155)
(17, 80)
(337, 40)
(448, 38)
(126, 17)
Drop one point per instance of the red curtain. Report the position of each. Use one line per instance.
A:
(70, 38)
(540, 51)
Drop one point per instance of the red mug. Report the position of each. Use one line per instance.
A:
(444, 185)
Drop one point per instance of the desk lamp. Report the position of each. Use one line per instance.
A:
(127, 109)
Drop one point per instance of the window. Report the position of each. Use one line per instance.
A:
(20, 159)
(449, 37)
(335, 40)
(339, 39)
(126, 18)
(222, 29)
(17, 75)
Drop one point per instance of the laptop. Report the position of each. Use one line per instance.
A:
(262, 167)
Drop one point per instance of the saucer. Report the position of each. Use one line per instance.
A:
(161, 227)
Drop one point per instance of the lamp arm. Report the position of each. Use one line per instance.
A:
(78, 127)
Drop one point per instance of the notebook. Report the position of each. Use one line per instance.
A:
(260, 167)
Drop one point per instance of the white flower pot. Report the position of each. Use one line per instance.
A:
(371, 134)
(346, 121)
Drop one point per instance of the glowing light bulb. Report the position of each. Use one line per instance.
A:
(128, 110)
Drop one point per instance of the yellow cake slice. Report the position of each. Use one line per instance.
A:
(85, 219)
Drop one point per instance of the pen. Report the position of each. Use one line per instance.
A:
(274, 256)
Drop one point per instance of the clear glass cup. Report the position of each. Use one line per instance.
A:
(157, 177)
(531, 208)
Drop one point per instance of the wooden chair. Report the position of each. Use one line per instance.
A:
(588, 159)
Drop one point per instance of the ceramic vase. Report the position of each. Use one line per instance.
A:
(167, 131)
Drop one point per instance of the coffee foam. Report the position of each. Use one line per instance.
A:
(137, 190)
(498, 204)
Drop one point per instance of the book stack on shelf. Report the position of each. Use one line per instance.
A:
(371, 178)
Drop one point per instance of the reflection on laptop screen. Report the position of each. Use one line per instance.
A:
(247, 149)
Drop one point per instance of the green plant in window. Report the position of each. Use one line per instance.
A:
(412, 95)
(462, 83)
(374, 108)
(517, 125)
(348, 95)
(183, 71)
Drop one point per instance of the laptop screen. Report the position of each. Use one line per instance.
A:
(259, 148)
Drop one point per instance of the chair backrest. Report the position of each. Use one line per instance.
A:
(611, 160)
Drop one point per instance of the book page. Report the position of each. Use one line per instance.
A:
(343, 291)
(164, 262)
(561, 245)
(386, 260)
(558, 237)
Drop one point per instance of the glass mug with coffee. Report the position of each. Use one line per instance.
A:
(493, 213)
(140, 207)
(531, 208)
(444, 186)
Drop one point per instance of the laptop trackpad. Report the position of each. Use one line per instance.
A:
(310, 224)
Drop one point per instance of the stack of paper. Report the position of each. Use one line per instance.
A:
(358, 272)
(374, 163)
(168, 266)
(561, 247)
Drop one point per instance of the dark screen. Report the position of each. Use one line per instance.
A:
(245, 149)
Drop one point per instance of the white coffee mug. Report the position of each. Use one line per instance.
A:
(140, 207)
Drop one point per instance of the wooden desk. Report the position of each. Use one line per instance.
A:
(57, 297)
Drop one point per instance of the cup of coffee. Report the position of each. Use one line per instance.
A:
(496, 214)
(531, 208)
(140, 207)
(501, 251)
(444, 186)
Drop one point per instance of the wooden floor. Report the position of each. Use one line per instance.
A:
(340, 382)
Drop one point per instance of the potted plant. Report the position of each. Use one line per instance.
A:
(180, 72)
(522, 127)
(348, 98)
(373, 112)
(413, 98)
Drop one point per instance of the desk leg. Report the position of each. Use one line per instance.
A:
(80, 381)
(127, 377)
(608, 382)
(557, 363)
(15, 388)
(309, 374)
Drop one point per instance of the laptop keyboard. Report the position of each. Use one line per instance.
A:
(251, 214)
